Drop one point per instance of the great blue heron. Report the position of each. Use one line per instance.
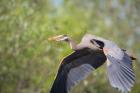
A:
(88, 55)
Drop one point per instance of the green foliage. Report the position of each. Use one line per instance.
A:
(29, 61)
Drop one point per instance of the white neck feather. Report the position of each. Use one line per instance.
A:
(73, 44)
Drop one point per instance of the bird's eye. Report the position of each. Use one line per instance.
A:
(66, 39)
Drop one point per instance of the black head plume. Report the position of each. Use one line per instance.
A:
(100, 43)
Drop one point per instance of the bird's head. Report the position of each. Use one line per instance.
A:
(59, 38)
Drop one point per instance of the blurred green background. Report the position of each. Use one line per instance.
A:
(29, 62)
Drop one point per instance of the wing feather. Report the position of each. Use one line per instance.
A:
(77, 74)
(120, 73)
(75, 68)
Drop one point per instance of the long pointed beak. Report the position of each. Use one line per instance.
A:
(51, 38)
(56, 38)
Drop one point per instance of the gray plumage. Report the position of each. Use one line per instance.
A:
(119, 66)
(77, 74)
(89, 55)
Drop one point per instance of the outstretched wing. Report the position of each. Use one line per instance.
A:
(120, 71)
(75, 68)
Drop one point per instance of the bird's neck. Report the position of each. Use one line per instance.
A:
(73, 44)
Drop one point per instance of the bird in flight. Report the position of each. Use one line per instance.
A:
(88, 55)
